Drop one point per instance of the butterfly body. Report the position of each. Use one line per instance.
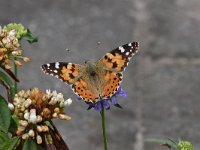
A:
(95, 80)
(92, 73)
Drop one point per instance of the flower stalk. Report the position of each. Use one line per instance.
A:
(15, 73)
(103, 127)
(104, 104)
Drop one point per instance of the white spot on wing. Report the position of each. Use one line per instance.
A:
(57, 65)
(130, 44)
(127, 53)
(121, 49)
(55, 71)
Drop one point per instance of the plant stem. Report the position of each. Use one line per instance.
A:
(103, 127)
(15, 72)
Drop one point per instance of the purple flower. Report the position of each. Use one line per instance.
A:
(105, 102)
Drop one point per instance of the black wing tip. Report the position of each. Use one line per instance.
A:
(131, 47)
(134, 44)
(43, 66)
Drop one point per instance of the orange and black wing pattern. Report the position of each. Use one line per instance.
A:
(118, 59)
(66, 72)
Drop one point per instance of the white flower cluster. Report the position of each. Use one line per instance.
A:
(9, 39)
(57, 98)
(33, 108)
(9, 47)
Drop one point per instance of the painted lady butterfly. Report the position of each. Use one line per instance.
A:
(95, 80)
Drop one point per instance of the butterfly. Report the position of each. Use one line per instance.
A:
(92, 81)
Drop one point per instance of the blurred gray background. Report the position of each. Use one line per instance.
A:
(162, 80)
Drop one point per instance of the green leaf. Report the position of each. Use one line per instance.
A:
(10, 144)
(49, 124)
(13, 124)
(163, 142)
(4, 115)
(8, 82)
(29, 145)
(3, 137)
(5, 78)
(29, 37)
(10, 73)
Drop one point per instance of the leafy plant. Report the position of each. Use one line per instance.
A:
(169, 143)
(25, 115)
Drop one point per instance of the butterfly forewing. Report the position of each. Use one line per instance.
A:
(118, 59)
(67, 72)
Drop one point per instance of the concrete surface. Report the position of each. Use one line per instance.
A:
(162, 80)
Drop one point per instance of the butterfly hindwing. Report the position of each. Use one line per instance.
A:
(113, 81)
(84, 91)
(67, 72)
(87, 93)
(118, 59)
